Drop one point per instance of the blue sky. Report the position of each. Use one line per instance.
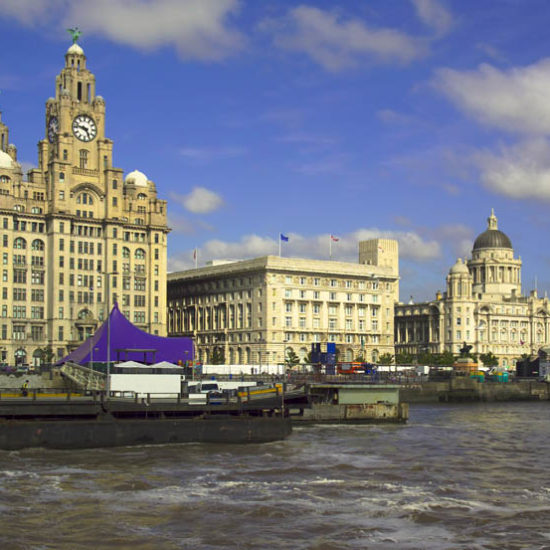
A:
(407, 119)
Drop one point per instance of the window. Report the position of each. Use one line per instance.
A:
(83, 158)
(139, 254)
(316, 281)
(139, 316)
(37, 244)
(20, 243)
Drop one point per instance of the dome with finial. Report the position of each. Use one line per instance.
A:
(5, 161)
(139, 179)
(459, 268)
(492, 238)
(75, 49)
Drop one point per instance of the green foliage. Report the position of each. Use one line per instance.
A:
(425, 358)
(47, 355)
(488, 359)
(218, 357)
(445, 359)
(359, 358)
(291, 358)
(307, 358)
(403, 359)
(385, 359)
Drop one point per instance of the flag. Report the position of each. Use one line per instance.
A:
(284, 238)
(194, 254)
(333, 238)
(521, 342)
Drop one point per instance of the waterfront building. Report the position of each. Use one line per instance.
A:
(76, 235)
(483, 306)
(261, 310)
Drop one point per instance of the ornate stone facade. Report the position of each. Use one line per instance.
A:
(257, 311)
(482, 306)
(76, 235)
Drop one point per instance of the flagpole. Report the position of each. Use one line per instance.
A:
(330, 247)
(279, 245)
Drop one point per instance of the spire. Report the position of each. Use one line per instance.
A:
(492, 222)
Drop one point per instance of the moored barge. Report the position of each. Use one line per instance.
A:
(91, 421)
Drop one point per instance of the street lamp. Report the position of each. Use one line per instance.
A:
(108, 301)
(92, 330)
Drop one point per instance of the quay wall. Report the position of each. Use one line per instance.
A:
(375, 413)
(468, 389)
(46, 381)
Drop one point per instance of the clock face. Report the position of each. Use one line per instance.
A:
(84, 128)
(53, 129)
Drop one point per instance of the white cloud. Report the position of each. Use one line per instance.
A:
(337, 43)
(433, 14)
(198, 29)
(205, 155)
(411, 246)
(521, 171)
(199, 201)
(515, 100)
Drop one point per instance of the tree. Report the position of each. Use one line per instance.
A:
(385, 359)
(218, 356)
(445, 359)
(359, 358)
(291, 358)
(403, 359)
(47, 355)
(425, 358)
(488, 359)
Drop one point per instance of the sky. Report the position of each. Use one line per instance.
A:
(403, 119)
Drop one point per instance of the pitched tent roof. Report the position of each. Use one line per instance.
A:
(140, 345)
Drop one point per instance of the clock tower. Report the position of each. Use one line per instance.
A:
(82, 235)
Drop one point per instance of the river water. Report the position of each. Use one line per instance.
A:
(466, 476)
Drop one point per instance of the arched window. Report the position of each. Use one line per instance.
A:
(141, 196)
(84, 313)
(4, 179)
(139, 254)
(19, 208)
(20, 243)
(125, 252)
(36, 210)
(37, 244)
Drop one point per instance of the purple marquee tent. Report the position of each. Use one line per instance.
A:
(127, 342)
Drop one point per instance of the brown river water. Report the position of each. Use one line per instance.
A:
(468, 476)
